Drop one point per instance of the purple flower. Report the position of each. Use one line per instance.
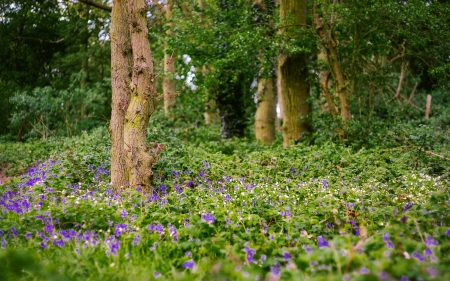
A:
(429, 241)
(407, 206)
(202, 174)
(123, 213)
(263, 258)
(364, 271)
(418, 257)
(28, 235)
(307, 249)
(3, 243)
(385, 237)
(156, 274)
(293, 170)
(188, 264)
(448, 232)
(404, 278)
(59, 243)
(250, 253)
(188, 254)
(14, 231)
(43, 245)
(322, 242)
(173, 233)
(208, 218)
(275, 269)
(329, 225)
(136, 240)
(324, 183)
(432, 271)
(154, 246)
(286, 256)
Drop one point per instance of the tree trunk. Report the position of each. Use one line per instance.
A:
(169, 66)
(211, 115)
(121, 65)
(329, 43)
(142, 100)
(294, 73)
(266, 111)
(279, 124)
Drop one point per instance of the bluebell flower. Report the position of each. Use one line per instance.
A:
(322, 242)
(448, 232)
(59, 243)
(28, 235)
(250, 253)
(432, 271)
(418, 257)
(154, 246)
(14, 231)
(429, 241)
(136, 240)
(208, 218)
(364, 271)
(188, 264)
(3, 243)
(276, 269)
(124, 213)
(307, 249)
(156, 274)
(324, 183)
(407, 206)
(286, 256)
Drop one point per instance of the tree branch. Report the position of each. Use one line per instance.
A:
(96, 4)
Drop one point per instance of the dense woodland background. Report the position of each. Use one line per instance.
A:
(291, 140)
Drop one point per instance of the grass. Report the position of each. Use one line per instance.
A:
(226, 209)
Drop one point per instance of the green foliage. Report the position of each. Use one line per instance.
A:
(47, 111)
(272, 200)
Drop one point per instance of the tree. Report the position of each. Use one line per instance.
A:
(133, 96)
(293, 71)
(265, 116)
(169, 66)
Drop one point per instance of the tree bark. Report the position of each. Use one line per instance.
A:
(142, 100)
(294, 73)
(121, 65)
(266, 111)
(169, 66)
(329, 43)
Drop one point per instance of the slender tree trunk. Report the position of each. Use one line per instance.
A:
(279, 100)
(121, 65)
(294, 73)
(169, 66)
(142, 100)
(330, 45)
(211, 115)
(266, 111)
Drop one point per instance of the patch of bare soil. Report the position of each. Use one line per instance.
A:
(3, 177)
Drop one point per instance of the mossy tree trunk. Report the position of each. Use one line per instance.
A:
(121, 65)
(295, 89)
(169, 66)
(138, 158)
(265, 111)
(133, 100)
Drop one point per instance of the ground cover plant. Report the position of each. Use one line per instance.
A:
(228, 209)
